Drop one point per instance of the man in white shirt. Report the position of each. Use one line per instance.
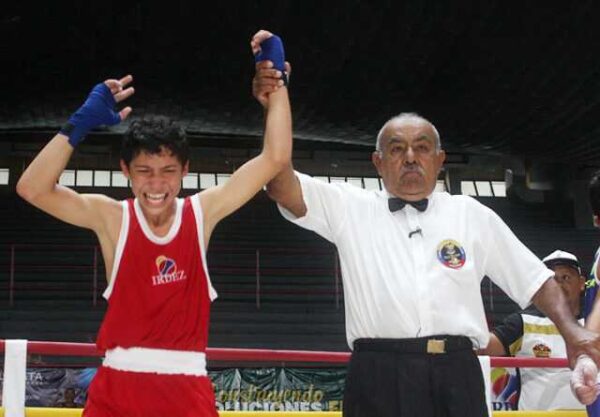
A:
(412, 262)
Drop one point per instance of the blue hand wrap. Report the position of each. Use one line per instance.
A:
(272, 50)
(97, 110)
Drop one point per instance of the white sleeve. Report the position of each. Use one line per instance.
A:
(510, 264)
(326, 207)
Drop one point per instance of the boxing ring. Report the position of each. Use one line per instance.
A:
(236, 355)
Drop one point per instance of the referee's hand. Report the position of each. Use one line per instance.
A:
(582, 341)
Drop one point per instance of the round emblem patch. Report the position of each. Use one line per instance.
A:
(451, 254)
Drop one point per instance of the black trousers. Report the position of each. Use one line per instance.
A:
(398, 378)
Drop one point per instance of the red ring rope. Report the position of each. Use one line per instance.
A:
(268, 355)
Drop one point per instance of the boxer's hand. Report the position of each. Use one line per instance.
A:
(98, 109)
(268, 47)
(272, 71)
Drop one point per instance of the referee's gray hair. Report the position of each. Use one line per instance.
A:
(409, 116)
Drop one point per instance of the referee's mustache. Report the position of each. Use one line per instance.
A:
(412, 168)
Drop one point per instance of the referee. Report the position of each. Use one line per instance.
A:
(412, 261)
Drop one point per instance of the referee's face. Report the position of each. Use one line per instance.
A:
(409, 160)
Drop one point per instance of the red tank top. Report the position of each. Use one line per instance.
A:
(160, 293)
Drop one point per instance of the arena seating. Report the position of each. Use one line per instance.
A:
(296, 294)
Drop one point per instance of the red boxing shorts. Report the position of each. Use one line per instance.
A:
(115, 393)
(142, 382)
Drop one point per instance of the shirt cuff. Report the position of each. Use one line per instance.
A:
(288, 215)
(543, 276)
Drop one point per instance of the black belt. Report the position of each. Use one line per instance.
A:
(431, 344)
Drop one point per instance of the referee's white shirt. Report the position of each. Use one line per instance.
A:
(396, 286)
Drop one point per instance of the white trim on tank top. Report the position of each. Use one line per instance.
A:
(119, 249)
(159, 240)
(195, 200)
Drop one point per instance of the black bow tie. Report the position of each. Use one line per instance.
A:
(396, 204)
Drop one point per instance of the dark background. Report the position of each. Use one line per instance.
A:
(496, 77)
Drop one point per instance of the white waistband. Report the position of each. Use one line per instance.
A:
(160, 361)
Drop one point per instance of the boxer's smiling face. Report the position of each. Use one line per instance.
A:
(155, 180)
(409, 159)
